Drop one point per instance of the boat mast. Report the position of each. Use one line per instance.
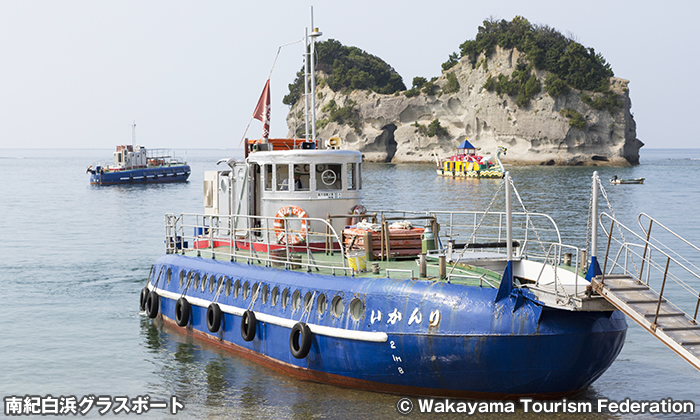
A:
(506, 286)
(133, 135)
(314, 34)
(306, 83)
(594, 267)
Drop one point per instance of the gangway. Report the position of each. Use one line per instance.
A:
(653, 313)
(627, 285)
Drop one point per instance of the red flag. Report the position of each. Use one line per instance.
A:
(262, 110)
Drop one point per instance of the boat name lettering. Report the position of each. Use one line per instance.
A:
(329, 195)
(435, 318)
(416, 317)
(394, 316)
(377, 317)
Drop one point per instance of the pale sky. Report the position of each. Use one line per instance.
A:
(77, 73)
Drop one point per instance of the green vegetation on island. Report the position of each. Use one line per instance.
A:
(348, 68)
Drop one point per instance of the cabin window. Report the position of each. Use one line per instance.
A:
(275, 296)
(264, 294)
(285, 298)
(182, 277)
(196, 281)
(268, 177)
(307, 301)
(236, 288)
(338, 306)
(204, 283)
(321, 304)
(296, 301)
(357, 309)
(168, 275)
(301, 177)
(283, 177)
(246, 290)
(228, 287)
(352, 176)
(212, 284)
(328, 176)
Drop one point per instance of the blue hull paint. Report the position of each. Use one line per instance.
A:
(477, 348)
(150, 175)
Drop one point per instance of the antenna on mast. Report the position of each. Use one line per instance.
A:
(133, 135)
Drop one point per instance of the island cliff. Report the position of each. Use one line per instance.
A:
(419, 124)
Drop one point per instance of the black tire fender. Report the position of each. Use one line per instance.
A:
(152, 304)
(248, 324)
(213, 317)
(300, 340)
(143, 298)
(182, 312)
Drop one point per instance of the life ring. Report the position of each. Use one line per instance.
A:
(143, 298)
(356, 209)
(152, 304)
(248, 323)
(213, 317)
(291, 238)
(300, 340)
(182, 312)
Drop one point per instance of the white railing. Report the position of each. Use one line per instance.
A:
(645, 258)
(237, 237)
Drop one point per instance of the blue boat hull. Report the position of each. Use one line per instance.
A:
(440, 339)
(160, 174)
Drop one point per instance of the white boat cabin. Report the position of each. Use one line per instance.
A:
(301, 183)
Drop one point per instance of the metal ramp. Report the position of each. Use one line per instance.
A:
(654, 313)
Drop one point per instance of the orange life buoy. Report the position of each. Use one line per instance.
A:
(285, 235)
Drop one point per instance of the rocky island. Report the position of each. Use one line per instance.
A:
(546, 98)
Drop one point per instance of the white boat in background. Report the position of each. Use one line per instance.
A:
(616, 180)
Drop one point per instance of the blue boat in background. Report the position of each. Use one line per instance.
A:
(134, 164)
(138, 165)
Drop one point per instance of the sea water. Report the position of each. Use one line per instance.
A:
(75, 257)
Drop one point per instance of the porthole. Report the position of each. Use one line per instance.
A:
(236, 288)
(228, 287)
(337, 306)
(275, 296)
(204, 283)
(196, 281)
(265, 292)
(246, 290)
(254, 291)
(321, 304)
(168, 275)
(357, 309)
(285, 298)
(219, 283)
(296, 300)
(212, 284)
(307, 301)
(182, 277)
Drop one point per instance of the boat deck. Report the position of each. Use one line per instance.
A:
(330, 263)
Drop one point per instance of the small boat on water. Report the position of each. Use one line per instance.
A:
(466, 163)
(134, 164)
(615, 180)
(287, 268)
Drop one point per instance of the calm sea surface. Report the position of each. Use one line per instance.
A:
(75, 257)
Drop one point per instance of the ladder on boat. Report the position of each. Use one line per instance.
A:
(653, 313)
